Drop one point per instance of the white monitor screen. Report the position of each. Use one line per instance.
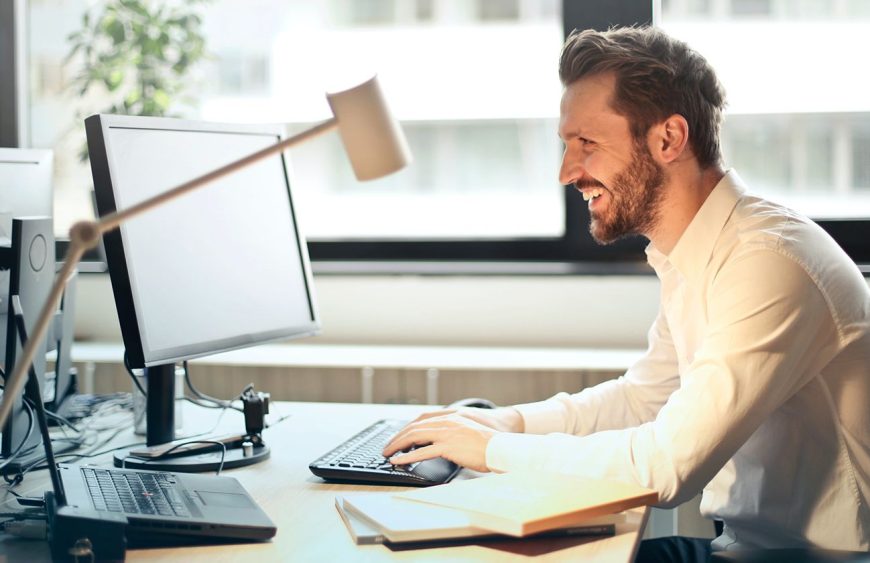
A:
(25, 186)
(219, 268)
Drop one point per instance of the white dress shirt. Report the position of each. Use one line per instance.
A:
(755, 387)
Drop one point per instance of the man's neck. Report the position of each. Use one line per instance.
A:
(687, 190)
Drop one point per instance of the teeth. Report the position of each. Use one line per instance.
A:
(592, 194)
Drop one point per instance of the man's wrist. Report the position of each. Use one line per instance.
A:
(512, 420)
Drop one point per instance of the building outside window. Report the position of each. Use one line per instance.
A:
(798, 105)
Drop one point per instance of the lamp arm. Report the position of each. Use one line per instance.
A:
(85, 235)
(113, 220)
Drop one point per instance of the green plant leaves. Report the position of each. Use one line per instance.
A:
(138, 53)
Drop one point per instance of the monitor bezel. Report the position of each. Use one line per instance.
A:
(97, 129)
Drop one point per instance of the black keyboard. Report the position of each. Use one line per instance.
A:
(359, 460)
(134, 493)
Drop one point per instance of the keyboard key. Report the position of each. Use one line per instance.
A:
(143, 493)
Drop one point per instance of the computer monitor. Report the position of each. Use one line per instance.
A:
(221, 268)
(25, 186)
(25, 191)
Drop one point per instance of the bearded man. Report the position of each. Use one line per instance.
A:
(755, 388)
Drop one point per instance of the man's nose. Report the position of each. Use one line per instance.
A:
(571, 170)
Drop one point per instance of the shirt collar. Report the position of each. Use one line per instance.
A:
(693, 251)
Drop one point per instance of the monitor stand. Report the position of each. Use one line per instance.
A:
(160, 429)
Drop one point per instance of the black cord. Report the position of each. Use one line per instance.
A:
(39, 463)
(62, 420)
(133, 376)
(215, 442)
(29, 410)
(280, 420)
(25, 515)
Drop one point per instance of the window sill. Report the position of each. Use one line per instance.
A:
(480, 268)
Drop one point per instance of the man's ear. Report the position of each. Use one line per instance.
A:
(670, 139)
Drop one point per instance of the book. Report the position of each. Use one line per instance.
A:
(385, 518)
(523, 503)
(361, 532)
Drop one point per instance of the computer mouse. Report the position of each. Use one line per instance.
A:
(476, 402)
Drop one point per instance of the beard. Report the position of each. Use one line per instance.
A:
(635, 202)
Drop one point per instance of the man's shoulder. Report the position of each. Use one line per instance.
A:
(758, 224)
(759, 228)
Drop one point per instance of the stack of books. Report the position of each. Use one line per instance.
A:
(498, 506)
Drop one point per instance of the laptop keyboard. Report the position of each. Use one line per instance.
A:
(359, 459)
(134, 493)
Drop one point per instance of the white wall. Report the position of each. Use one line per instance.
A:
(571, 311)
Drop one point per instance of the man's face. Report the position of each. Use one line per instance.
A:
(615, 173)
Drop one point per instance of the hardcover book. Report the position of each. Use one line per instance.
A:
(384, 518)
(519, 503)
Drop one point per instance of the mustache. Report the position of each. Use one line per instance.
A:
(588, 183)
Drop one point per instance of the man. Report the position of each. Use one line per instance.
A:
(755, 388)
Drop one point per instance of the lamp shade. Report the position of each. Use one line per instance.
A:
(373, 140)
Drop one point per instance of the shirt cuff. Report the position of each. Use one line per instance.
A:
(544, 417)
(507, 451)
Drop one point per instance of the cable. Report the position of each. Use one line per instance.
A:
(63, 421)
(39, 463)
(215, 442)
(203, 397)
(133, 376)
(25, 515)
(30, 426)
(280, 420)
(31, 528)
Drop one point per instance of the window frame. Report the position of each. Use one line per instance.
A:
(12, 99)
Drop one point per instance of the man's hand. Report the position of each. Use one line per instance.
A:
(460, 436)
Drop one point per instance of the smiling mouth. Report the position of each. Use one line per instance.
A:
(590, 188)
(591, 193)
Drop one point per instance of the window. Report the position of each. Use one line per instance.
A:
(474, 83)
(797, 110)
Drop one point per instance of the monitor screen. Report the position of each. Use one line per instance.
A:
(220, 268)
(25, 186)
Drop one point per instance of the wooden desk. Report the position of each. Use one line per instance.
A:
(302, 505)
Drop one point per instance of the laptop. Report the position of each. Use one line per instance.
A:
(153, 508)
(162, 508)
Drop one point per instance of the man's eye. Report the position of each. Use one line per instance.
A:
(586, 142)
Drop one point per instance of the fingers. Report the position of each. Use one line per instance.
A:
(416, 424)
(420, 454)
(407, 437)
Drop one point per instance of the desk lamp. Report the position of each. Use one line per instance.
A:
(372, 139)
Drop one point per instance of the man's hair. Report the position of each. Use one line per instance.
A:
(656, 76)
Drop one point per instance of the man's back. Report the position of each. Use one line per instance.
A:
(804, 473)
